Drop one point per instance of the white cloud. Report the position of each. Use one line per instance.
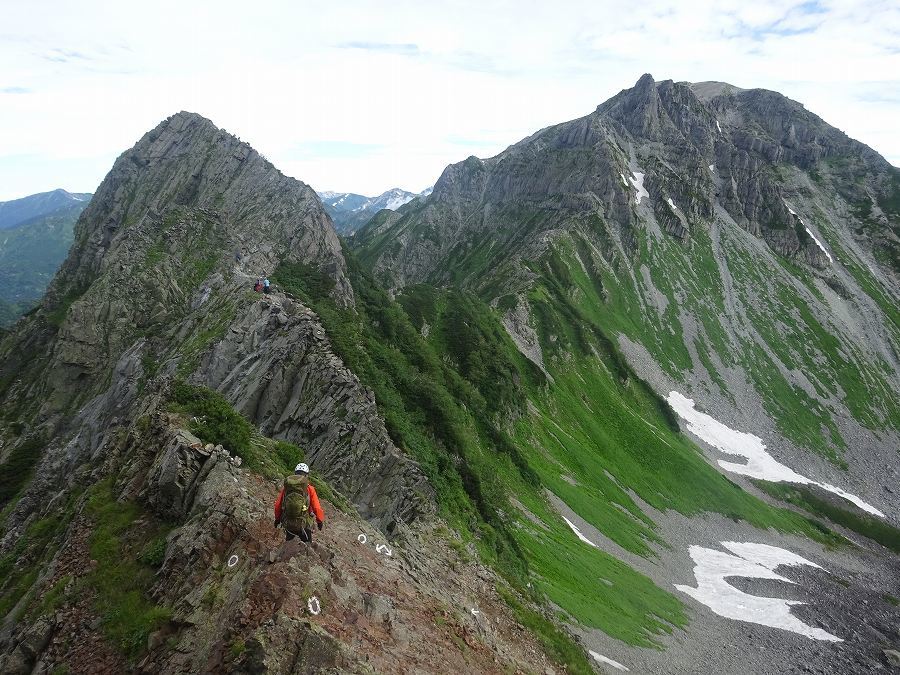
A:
(426, 85)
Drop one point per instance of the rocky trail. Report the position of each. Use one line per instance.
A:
(245, 600)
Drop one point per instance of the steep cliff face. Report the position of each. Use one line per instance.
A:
(687, 152)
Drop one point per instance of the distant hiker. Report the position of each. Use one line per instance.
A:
(266, 286)
(297, 507)
(258, 285)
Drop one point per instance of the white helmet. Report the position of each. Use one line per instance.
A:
(301, 468)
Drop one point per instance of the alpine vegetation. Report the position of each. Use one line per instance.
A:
(624, 396)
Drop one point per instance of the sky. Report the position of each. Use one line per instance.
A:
(357, 96)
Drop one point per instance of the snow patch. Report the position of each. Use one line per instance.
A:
(608, 661)
(718, 126)
(819, 243)
(624, 182)
(712, 167)
(578, 532)
(760, 464)
(671, 203)
(809, 232)
(753, 561)
(398, 201)
(637, 181)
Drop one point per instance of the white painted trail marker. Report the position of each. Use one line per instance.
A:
(475, 612)
(233, 560)
(751, 561)
(314, 606)
(608, 661)
(381, 548)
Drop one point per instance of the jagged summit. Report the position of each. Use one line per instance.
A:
(188, 163)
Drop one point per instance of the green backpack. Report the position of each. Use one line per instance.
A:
(296, 509)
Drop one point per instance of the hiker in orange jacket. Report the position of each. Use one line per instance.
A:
(297, 505)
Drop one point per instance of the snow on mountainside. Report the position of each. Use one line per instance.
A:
(18, 211)
(351, 211)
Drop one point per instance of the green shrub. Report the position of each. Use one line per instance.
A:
(288, 455)
(302, 280)
(213, 419)
(237, 648)
(120, 581)
(154, 552)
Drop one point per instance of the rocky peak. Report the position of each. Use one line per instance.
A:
(187, 163)
(636, 108)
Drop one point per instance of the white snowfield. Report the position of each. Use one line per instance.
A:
(578, 533)
(608, 661)
(809, 232)
(638, 182)
(760, 464)
(754, 561)
(671, 203)
(398, 200)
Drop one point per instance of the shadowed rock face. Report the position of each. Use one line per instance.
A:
(276, 366)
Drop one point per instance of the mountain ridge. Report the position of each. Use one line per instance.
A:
(517, 391)
(17, 211)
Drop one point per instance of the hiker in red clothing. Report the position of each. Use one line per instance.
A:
(297, 506)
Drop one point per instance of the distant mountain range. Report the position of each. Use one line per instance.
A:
(351, 211)
(35, 236)
(18, 211)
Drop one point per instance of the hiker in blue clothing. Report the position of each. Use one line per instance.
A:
(266, 285)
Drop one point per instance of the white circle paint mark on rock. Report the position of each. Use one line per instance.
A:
(362, 539)
(233, 560)
(314, 606)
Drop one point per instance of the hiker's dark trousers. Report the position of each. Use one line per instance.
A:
(304, 534)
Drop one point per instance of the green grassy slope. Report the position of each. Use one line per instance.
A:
(488, 427)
